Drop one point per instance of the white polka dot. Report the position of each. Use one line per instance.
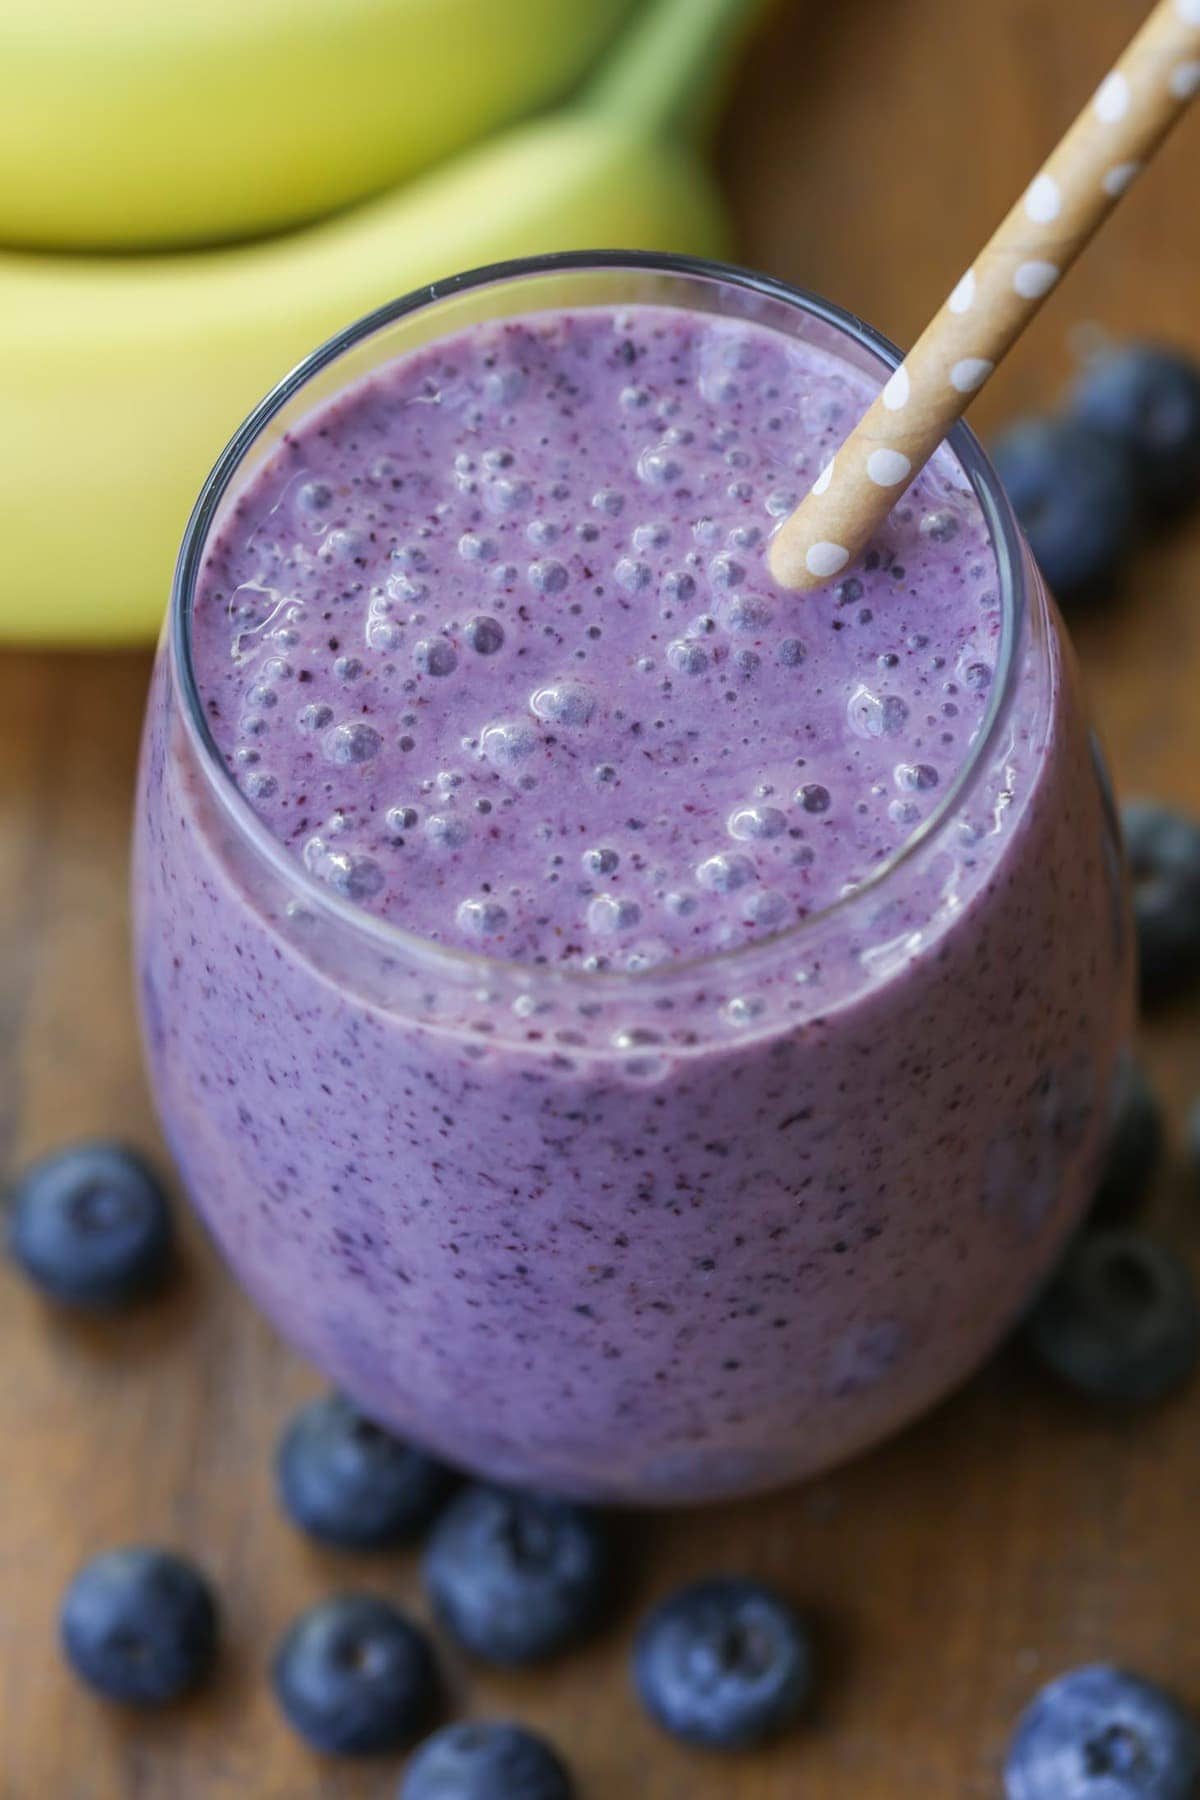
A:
(1189, 11)
(823, 480)
(971, 372)
(963, 297)
(887, 468)
(895, 394)
(1185, 80)
(1033, 279)
(1112, 98)
(1043, 201)
(826, 559)
(1119, 177)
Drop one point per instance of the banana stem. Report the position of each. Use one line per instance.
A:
(666, 75)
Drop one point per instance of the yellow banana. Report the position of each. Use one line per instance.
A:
(122, 378)
(134, 123)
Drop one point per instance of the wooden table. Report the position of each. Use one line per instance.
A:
(1007, 1536)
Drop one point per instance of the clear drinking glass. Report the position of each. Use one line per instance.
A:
(659, 1236)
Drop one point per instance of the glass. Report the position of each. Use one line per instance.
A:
(649, 1236)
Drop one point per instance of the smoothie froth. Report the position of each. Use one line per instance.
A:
(491, 644)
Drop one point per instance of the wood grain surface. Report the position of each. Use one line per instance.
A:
(1005, 1537)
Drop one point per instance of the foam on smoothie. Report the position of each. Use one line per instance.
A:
(490, 643)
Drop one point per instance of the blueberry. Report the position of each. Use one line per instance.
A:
(1099, 1734)
(90, 1225)
(515, 1576)
(1148, 400)
(724, 1663)
(1193, 1140)
(1163, 849)
(1073, 490)
(355, 1677)
(1135, 1144)
(1119, 1321)
(139, 1625)
(348, 1482)
(485, 1762)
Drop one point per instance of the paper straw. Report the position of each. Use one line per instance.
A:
(1068, 199)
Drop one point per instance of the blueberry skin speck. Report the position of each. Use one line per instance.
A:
(354, 1677)
(139, 1625)
(1120, 1320)
(1163, 848)
(1147, 399)
(724, 1664)
(1098, 1733)
(1135, 1145)
(516, 1577)
(346, 1481)
(90, 1226)
(1074, 492)
(486, 1761)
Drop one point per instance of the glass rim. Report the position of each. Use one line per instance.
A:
(392, 937)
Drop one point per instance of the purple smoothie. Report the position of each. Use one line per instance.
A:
(761, 1114)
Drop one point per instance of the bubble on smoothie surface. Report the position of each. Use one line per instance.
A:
(481, 917)
(918, 777)
(485, 635)
(757, 822)
(355, 742)
(497, 653)
(876, 715)
(726, 572)
(687, 657)
(567, 703)
(632, 574)
(435, 656)
(447, 830)
(352, 874)
(611, 912)
(746, 612)
(677, 587)
(547, 576)
(725, 872)
(314, 717)
(508, 743)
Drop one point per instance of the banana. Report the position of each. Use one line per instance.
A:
(134, 123)
(122, 378)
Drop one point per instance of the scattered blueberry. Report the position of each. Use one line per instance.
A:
(1072, 488)
(724, 1663)
(1134, 1146)
(355, 1677)
(1099, 1734)
(139, 1625)
(516, 1576)
(1148, 399)
(485, 1762)
(90, 1225)
(345, 1480)
(1193, 1139)
(1120, 1319)
(1163, 848)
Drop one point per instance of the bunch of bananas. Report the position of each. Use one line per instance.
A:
(135, 125)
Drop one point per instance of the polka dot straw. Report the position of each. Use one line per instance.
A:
(1128, 116)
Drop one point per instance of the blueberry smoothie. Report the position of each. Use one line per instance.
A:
(639, 1031)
